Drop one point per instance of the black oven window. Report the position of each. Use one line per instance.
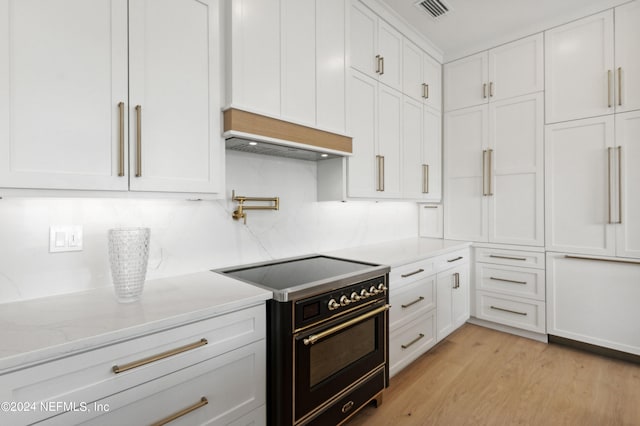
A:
(340, 350)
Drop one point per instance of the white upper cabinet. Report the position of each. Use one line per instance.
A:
(504, 72)
(579, 69)
(627, 155)
(627, 54)
(422, 76)
(254, 47)
(174, 96)
(63, 73)
(376, 47)
(389, 142)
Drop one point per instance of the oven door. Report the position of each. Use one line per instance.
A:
(330, 358)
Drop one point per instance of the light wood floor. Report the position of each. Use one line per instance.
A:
(479, 376)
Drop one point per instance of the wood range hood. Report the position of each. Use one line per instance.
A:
(251, 132)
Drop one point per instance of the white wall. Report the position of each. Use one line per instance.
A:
(189, 236)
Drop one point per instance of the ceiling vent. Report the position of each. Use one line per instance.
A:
(435, 8)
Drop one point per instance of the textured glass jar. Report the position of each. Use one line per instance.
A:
(128, 255)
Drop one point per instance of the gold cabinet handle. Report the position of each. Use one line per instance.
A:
(609, 73)
(315, 337)
(620, 86)
(377, 64)
(484, 91)
(491, 89)
(139, 141)
(484, 173)
(567, 256)
(135, 364)
(419, 299)
(203, 401)
(412, 273)
(495, 256)
(490, 155)
(121, 139)
(456, 280)
(455, 259)
(382, 68)
(508, 310)
(619, 184)
(413, 342)
(508, 281)
(610, 221)
(425, 178)
(379, 167)
(425, 90)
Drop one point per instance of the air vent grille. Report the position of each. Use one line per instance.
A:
(435, 8)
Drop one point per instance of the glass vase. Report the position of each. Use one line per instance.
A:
(128, 256)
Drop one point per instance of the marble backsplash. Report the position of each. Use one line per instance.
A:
(190, 236)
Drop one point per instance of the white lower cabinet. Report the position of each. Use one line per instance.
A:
(408, 342)
(510, 288)
(453, 300)
(152, 377)
(594, 300)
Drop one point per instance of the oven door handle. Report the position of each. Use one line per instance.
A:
(315, 337)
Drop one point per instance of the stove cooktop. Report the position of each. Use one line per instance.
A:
(306, 274)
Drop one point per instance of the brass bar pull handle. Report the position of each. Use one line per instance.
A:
(491, 89)
(425, 90)
(456, 280)
(484, 172)
(203, 401)
(490, 155)
(382, 173)
(413, 342)
(412, 273)
(609, 182)
(121, 139)
(377, 64)
(382, 67)
(347, 407)
(508, 310)
(315, 337)
(135, 364)
(620, 86)
(566, 256)
(139, 141)
(430, 207)
(495, 256)
(418, 300)
(455, 260)
(508, 281)
(425, 178)
(619, 184)
(484, 91)
(378, 165)
(609, 73)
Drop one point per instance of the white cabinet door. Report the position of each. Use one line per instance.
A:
(63, 72)
(577, 193)
(174, 95)
(627, 36)
(579, 69)
(432, 153)
(516, 208)
(364, 36)
(628, 149)
(467, 138)
(331, 73)
(594, 301)
(432, 78)
(461, 307)
(390, 141)
(465, 82)
(414, 182)
(390, 49)
(452, 300)
(255, 55)
(362, 166)
(298, 36)
(516, 68)
(412, 73)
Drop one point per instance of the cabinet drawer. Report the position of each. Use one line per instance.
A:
(527, 259)
(89, 376)
(411, 272)
(408, 342)
(511, 280)
(517, 312)
(451, 260)
(233, 385)
(412, 300)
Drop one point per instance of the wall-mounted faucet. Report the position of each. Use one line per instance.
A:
(240, 213)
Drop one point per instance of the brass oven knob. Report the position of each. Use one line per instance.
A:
(344, 301)
(382, 288)
(333, 305)
(373, 290)
(364, 293)
(355, 297)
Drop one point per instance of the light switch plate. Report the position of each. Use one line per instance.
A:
(65, 238)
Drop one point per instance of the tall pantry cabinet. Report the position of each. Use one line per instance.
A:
(592, 210)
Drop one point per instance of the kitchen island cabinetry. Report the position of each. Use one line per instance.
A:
(103, 82)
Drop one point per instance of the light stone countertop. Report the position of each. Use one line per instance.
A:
(401, 252)
(38, 330)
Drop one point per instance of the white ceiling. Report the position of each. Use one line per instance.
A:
(475, 25)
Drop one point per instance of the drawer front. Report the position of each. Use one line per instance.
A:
(405, 274)
(408, 342)
(233, 385)
(451, 260)
(89, 376)
(412, 300)
(527, 259)
(516, 312)
(511, 280)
